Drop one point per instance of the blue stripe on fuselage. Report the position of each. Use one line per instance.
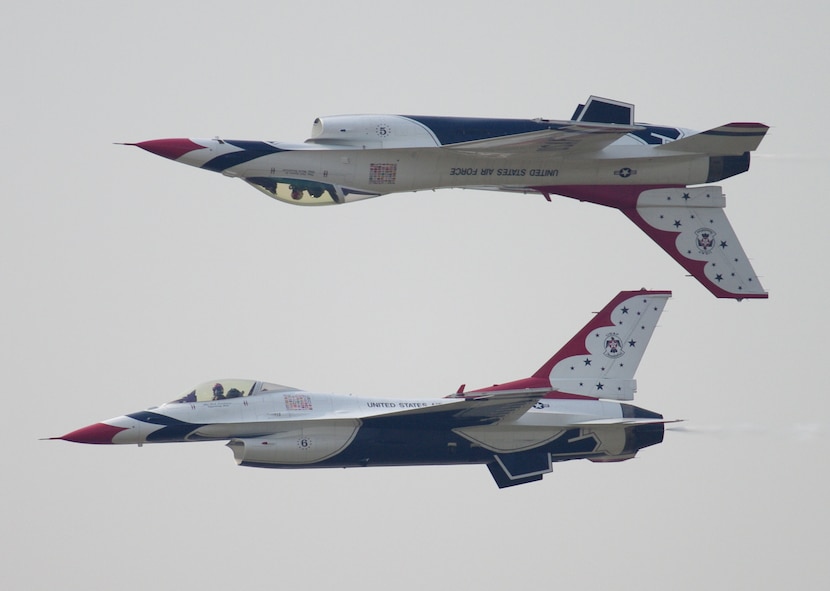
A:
(251, 150)
(456, 130)
(173, 429)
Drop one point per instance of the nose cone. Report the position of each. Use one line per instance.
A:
(99, 433)
(173, 148)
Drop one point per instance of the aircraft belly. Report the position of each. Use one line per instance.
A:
(380, 172)
(408, 447)
(509, 438)
(429, 169)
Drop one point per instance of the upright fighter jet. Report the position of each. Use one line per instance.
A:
(600, 155)
(573, 407)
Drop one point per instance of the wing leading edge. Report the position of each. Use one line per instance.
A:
(481, 408)
(690, 224)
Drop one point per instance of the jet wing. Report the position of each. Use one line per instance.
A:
(564, 138)
(485, 408)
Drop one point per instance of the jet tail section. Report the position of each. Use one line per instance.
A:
(691, 225)
(601, 359)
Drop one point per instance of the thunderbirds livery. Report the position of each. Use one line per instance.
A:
(573, 407)
(600, 155)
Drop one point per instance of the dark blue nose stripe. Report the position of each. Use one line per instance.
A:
(172, 429)
(250, 151)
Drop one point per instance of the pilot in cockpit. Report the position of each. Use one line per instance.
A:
(218, 392)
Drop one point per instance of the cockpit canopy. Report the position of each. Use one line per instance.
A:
(230, 388)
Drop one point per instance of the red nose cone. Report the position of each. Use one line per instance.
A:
(173, 148)
(97, 433)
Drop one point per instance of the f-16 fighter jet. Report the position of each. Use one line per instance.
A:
(600, 155)
(573, 407)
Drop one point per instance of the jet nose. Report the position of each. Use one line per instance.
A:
(99, 433)
(173, 148)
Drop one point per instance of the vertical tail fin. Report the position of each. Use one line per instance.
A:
(601, 359)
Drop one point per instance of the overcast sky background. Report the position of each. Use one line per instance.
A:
(127, 279)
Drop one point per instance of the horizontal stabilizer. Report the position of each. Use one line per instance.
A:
(691, 225)
(730, 139)
(624, 422)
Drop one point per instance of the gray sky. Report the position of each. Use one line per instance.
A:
(128, 279)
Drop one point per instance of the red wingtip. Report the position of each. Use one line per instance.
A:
(99, 433)
(173, 148)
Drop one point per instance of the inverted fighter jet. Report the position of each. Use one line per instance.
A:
(573, 407)
(601, 155)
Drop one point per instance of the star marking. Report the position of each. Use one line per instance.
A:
(599, 386)
(677, 223)
(587, 361)
(718, 277)
(624, 310)
(723, 244)
(631, 343)
(686, 196)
